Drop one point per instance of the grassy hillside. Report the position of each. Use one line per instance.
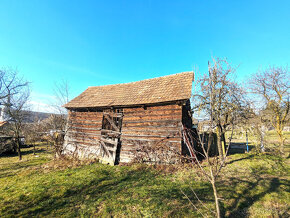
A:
(251, 185)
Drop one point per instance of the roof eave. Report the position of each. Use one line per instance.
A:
(179, 101)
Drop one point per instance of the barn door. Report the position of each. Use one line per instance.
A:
(110, 135)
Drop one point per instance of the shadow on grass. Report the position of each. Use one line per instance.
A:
(249, 193)
(23, 152)
(8, 169)
(110, 193)
(241, 159)
(239, 148)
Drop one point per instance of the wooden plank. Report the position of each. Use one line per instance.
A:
(85, 138)
(95, 143)
(153, 113)
(84, 117)
(124, 135)
(82, 129)
(83, 113)
(115, 142)
(126, 158)
(106, 150)
(155, 121)
(136, 147)
(112, 135)
(83, 144)
(85, 120)
(112, 132)
(108, 147)
(153, 117)
(77, 125)
(83, 133)
(150, 130)
(111, 122)
(149, 111)
(111, 114)
(137, 143)
(85, 124)
(127, 154)
(148, 140)
(173, 106)
(153, 127)
(109, 131)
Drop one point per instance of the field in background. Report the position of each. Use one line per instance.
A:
(255, 185)
(271, 141)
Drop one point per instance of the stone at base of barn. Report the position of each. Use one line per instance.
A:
(145, 154)
(85, 153)
(81, 152)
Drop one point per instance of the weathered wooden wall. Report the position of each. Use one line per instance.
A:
(144, 129)
(147, 127)
(83, 134)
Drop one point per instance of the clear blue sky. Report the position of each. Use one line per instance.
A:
(91, 43)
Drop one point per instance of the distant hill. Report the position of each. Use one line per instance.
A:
(30, 116)
(36, 116)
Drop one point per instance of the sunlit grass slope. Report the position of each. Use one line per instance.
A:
(250, 185)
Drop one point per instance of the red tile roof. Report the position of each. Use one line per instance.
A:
(162, 89)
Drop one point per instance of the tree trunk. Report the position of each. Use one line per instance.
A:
(224, 143)
(18, 149)
(219, 142)
(279, 129)
(281, 138)
(209, 142)
(217, 206)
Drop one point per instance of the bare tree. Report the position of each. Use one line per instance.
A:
(55, 126)
(273, 86)
(58, 123)
(208, 167)
(62, 95)
(224, 103)
(14, 97)
(220, 99)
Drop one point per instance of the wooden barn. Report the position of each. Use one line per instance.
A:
(123, 122)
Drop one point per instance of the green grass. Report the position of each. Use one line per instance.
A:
(271, 141)
(250, 185)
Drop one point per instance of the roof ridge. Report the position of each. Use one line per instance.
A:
(185, 72)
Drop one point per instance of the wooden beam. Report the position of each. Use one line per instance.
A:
(113, 114)
(109, 131)
(153, 136)
(153, 121)
(109, 141)
(86, 124)
(106, 150)
(149, 140)
(83, 133)
(150, 129)
(111, 122)
(83, 128)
